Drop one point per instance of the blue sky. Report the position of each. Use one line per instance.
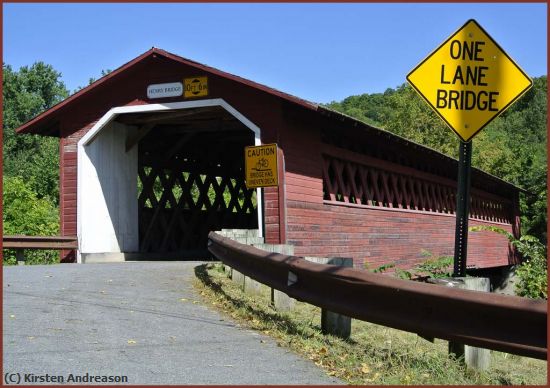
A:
(320, 52)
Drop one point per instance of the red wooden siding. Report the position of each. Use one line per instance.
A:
(382, 235)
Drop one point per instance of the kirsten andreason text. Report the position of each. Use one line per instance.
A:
(26, 378)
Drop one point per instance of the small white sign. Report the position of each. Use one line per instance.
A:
(173, 89)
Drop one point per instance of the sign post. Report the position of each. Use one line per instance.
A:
(468, 80)
(462, 208)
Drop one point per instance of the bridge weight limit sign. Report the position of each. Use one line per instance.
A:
(468, 80)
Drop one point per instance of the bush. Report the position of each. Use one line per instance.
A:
(25, 213)
(532, 272)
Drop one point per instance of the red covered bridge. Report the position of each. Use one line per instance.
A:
(151, 160)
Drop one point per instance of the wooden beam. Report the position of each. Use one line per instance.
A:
(132, 140)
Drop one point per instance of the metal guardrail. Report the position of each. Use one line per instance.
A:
(39, 242)
(21, 242)
(492, 321)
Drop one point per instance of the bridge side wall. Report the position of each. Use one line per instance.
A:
(372, 235)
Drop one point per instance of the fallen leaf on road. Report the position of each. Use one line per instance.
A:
(195, 302)
(12, 316)
(183, 299)
(30, 337)
(131, 342)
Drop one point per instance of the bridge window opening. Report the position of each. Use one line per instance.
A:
(391, 188)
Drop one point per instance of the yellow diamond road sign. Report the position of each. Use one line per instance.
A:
(469, 80)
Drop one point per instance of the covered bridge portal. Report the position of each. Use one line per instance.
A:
(145, 175)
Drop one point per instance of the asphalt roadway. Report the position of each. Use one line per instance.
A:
(141, 320)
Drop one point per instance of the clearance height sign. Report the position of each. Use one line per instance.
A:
(469, 80)
(260, 165)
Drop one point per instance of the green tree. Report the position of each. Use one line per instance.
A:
(27, 93)
(25, 213)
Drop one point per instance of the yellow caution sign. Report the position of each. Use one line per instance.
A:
(469, 80)
(195, 87)
(260, 165)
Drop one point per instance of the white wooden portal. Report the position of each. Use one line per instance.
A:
(107, 208)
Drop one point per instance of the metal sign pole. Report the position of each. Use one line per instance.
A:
(462, 208)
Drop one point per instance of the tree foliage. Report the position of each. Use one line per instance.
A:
(25, 213)
(27, 93)
(31, 162)
(533, 271)
(512, 147)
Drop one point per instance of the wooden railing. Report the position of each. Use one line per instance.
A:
(362, 180)
(20, 243)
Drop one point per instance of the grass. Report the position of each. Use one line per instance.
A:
(374, 354)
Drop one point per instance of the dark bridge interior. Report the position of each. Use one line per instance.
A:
(190, 179)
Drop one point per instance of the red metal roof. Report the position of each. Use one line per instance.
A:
(36, 125)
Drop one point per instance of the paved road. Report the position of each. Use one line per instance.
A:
(129, 319)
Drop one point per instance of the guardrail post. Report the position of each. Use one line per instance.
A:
(251, 286)
(476, 358)
(334, 323)
(237, 277)
(227, 269)
(20, 256)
